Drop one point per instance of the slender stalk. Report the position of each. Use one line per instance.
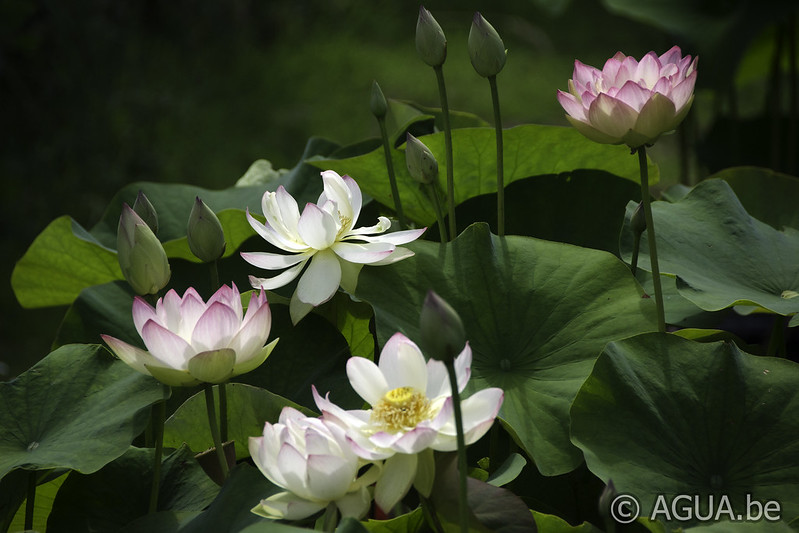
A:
(650, 235)
(636, 248)
(442, 93)
(392, 178)
(463, 507)
(30, 501)
(776, 343)
(432, 190)
(330, 517)
(214, 270)
(209, 406)
(223, 412)
(430, 515)
(157, 419)
(492, 80)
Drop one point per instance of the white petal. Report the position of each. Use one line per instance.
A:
(317, 228)
(269, 261)
(403, 364)
(329, 476)
(275, 238)
(398, 474)
(413, 441)
(287, 506)
(280, 280)
(318, 284)
(396, 237)
(363, 252)
(382, 225)
(349, 275)
(168, 348)
(355, 504)
(367, 379)
(298, 309)
(479, 412)
(215, 329)
(142, 312)
(294, 469)
(252, 335)
(135, 357)
(398, 254)
(337, 191)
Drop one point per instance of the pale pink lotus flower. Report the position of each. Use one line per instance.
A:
(324, 237)
(312, 460)
(190, 341)
(628, 101)
(411, 411)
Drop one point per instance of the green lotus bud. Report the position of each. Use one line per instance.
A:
(638, 221)
(431, 44)
(442, 333)
(377, 103)
(205, 234)
(146, 211)
(141, 256)
(486, 49)
(421, 163)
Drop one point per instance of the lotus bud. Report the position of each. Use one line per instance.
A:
(377, 104)
(638, 221)
(486, 49)
(421, 163)
(141, 257)
(146, 211)
(205, 234)
(431, 44)
(442, 333)
(606, 500)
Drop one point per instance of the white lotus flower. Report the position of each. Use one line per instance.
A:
(190, 341)
(324, 238)
(313, 462)
(411, 411)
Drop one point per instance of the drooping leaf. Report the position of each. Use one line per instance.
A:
(661, 415)
(548, 523)
(248, 409)
(45, 495)
(78, 408)
(529, 150)
(722, 256)
(508, 470)
(536, 314)
(119, 493)
(406, 523)
(766, 195)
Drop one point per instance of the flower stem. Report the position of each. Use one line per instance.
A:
(776, 343)
(209, 406)
(214, 269)
(636, 249)
(650, 236)
(492, 80)
(30, 501)
(392, 178)
(157, 419)
(463, 502)
(223, 412)
(442, 93)
(432, 190)
(330, 517)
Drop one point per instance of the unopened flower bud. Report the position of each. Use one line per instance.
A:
(486, 49)
(606, 500)
(205, 234)
(141, 256)
(431, 44)
(442, 333)
(638, 221)
(377, 103)
(421, 163)
(146, 211)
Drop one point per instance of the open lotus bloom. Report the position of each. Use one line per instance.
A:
(628, 101)
(190, 341)
(323, 237)
(411, 411)
(311, 459)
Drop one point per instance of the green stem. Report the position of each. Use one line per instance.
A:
(442, 93)
(158, 416)
(463, 501)
(430, 515)
(432, 190)
(30, 501)
(650, 235)
(214, 269)
(209, 406)
(223, 412)
(492, 80)
(636, 248)
(392, 178)
(776, 343)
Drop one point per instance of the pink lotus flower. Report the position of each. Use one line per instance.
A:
(628, 101)
(190, 341)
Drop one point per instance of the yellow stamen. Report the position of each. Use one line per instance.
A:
(401, 409)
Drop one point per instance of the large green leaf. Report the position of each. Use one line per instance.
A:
(663, 415)
(721, 255)
(120, 492)
(766, 195)
(43, 502)
(548, 523)
(536, 313)
(78, 408)
(529, 150)
(248, 409)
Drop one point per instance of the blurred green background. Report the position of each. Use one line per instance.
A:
(100, 93)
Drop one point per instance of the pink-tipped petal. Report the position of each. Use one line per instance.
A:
(215, 328)
(611, 116)
(135, 357)
(571, 105)
(166, 347)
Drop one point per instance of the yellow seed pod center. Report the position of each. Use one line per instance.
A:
(401, 409)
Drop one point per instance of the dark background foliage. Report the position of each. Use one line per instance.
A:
(99, 93)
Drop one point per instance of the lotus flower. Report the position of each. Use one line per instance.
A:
(324, 238)
(628, 101)
(411, 411)
(190, 341)
(313, 462)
